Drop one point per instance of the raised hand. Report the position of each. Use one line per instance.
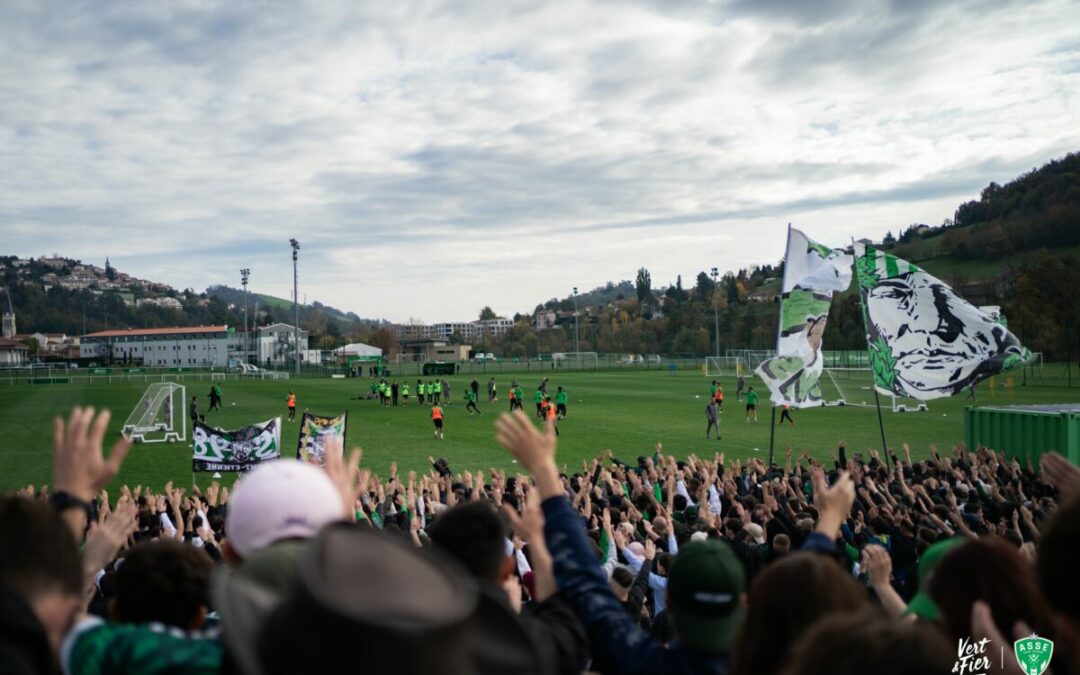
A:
(833, 503)
(878, 564)
(1057, 471)
(105, 540)
(650, 549)
(79, 468)
(344, 475)
(535, 450)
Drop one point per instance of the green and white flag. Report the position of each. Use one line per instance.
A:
(239, 450)
(925, 341)
(314, 432)
(812, 272)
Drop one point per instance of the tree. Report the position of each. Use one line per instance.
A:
(383, 339)
(110, 271)
(643, 283)
(487, 314)
(704, 287)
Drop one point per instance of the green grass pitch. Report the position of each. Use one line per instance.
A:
(627, 411)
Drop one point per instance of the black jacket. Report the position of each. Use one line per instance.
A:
(24, 646)
(546, 638)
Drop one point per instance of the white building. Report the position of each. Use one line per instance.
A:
(464, 330)
(273, 345)
(13, 353)
(191, 347)
(165, 301)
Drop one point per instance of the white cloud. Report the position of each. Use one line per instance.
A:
(435, 159)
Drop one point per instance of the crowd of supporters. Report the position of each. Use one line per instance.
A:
(862, 563)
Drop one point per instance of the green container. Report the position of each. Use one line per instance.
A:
(1019, 429)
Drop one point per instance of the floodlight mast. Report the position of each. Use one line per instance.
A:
(296, 300)
(577, 344)
(715, 306)
(244, 274)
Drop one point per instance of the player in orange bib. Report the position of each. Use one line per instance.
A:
(437, 419)
(719, 395)
(291, 403)
(550, 414)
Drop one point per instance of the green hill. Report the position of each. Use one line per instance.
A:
(1017, 246)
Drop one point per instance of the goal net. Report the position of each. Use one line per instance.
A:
(726, 366)
(752, 358)
(159, 416)
(852, 386)
(575, 360)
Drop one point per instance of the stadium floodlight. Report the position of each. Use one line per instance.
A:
(296, 300)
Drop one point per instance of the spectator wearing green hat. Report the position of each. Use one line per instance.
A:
(922, 605)
(705, 589)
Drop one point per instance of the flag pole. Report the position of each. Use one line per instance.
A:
(779, 323)
(881, 423)
(772, 435)
(873, 383)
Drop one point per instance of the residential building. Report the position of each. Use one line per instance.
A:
(431, 350)
(463, 330)
(12, 353)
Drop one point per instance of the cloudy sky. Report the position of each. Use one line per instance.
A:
(434, 157)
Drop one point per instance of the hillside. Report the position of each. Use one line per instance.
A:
(65, 295)
(235, 296)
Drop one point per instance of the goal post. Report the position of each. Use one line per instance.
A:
(852, 386)
(575, 360)
(159, 416)
(726, 366)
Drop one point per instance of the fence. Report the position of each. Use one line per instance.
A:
(1049, 374)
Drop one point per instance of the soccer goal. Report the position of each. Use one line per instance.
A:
(726, 366)
(752, 358)
(575, 360)
(852, 386)
(217, 377)
(159, 416)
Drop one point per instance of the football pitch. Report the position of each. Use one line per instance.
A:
(626, 411)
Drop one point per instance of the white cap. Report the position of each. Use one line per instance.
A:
(283, 499)
(699, 536)
(755, 531)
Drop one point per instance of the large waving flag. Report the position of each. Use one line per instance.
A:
(925, 341)
(812, 272)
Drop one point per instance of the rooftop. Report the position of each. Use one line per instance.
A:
(179, 330)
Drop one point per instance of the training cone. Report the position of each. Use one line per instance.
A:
(216, 475)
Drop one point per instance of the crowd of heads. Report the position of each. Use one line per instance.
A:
(862, 562)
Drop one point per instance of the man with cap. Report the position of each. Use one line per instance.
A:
(922, 605)
(705, 589)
